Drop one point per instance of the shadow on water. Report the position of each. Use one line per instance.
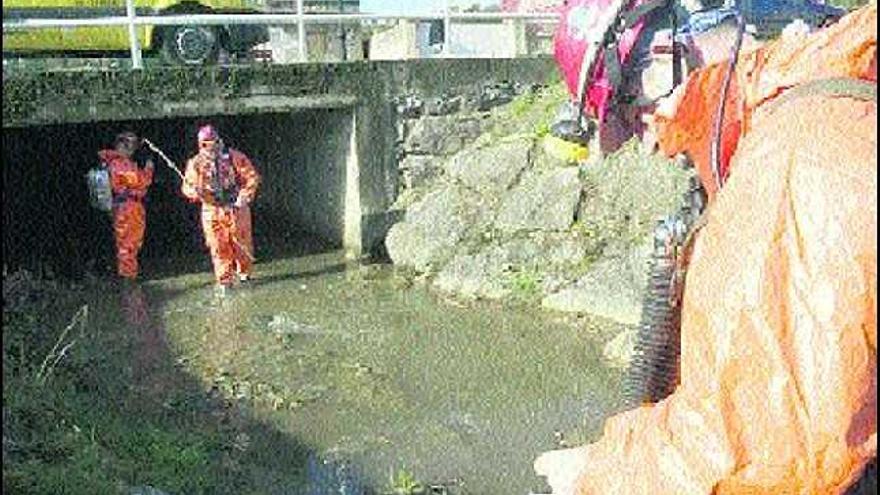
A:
(269, 461)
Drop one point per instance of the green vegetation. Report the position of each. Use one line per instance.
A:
(90, 406)
(531, 113)
(849, 4)
(525, 285)
(404, 483)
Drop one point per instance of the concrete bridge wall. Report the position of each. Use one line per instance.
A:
(324, 135)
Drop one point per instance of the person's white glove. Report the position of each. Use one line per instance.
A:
(561, 468)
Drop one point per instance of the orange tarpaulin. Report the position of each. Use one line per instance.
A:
(779, 353)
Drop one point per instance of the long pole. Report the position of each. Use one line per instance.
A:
(136, 61)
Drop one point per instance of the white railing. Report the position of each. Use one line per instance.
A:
(131, 20)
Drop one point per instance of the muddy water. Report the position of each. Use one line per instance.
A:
(380, 374)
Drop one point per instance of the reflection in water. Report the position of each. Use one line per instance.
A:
(151, 347)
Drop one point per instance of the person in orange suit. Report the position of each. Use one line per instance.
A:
(225, 182)
(777, 390)
(129, 183)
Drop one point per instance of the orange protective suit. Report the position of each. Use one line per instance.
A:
(227, 227)
(129, 184)
(846, 49)
(778, 391)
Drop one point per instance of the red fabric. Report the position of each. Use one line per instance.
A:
(580, 18)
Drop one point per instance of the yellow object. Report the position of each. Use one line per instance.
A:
(565, 150)
(90, 38)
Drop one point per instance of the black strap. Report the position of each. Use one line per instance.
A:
(632, 17)
(613, 68)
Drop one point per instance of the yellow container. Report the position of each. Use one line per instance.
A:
(563, 150)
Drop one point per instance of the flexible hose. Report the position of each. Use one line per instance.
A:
(164, 157)
(715, 150)
(654, 369)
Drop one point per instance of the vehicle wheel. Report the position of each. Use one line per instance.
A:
(190, 45)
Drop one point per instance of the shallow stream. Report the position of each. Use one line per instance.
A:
(388, 381)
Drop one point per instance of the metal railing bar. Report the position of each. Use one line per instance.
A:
(250, 19)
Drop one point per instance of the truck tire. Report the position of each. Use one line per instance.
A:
(190, 45)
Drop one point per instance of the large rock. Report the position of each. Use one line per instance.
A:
(613, 287)
(474, 275)
(492, 169)
(627, 193)
(546, 201)
(419, 170)
(537, 262)
(432, 227)
(442, 135)
(619, 350)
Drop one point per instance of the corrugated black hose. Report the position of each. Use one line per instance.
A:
(653, 372)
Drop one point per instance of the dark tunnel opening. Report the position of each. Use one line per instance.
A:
(48, 221)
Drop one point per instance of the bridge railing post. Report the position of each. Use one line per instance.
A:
(446, 34)
(134, 44)
(301, 32)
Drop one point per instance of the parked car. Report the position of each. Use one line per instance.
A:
(767, 17)
(770, 16)
(184, 44)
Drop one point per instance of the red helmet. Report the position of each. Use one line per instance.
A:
(208, 133)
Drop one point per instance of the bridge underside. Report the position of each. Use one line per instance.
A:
(305, 158)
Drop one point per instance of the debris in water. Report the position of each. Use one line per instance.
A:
(284, 324)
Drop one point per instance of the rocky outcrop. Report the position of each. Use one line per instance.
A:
(441, 135)
(434, 227)
(491, 170)
(543, 201)
(500, 218)
(613, 287)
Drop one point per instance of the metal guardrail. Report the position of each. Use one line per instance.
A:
(132, 20)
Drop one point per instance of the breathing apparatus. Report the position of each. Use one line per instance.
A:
(98, 178)
(100, 192)
(575, 127)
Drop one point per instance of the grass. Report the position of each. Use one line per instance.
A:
(84, 414)
(404, 483)
(525, 285)
(849, 4)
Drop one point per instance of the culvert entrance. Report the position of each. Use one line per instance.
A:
(305, 157)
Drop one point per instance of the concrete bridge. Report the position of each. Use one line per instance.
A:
(325, 136)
